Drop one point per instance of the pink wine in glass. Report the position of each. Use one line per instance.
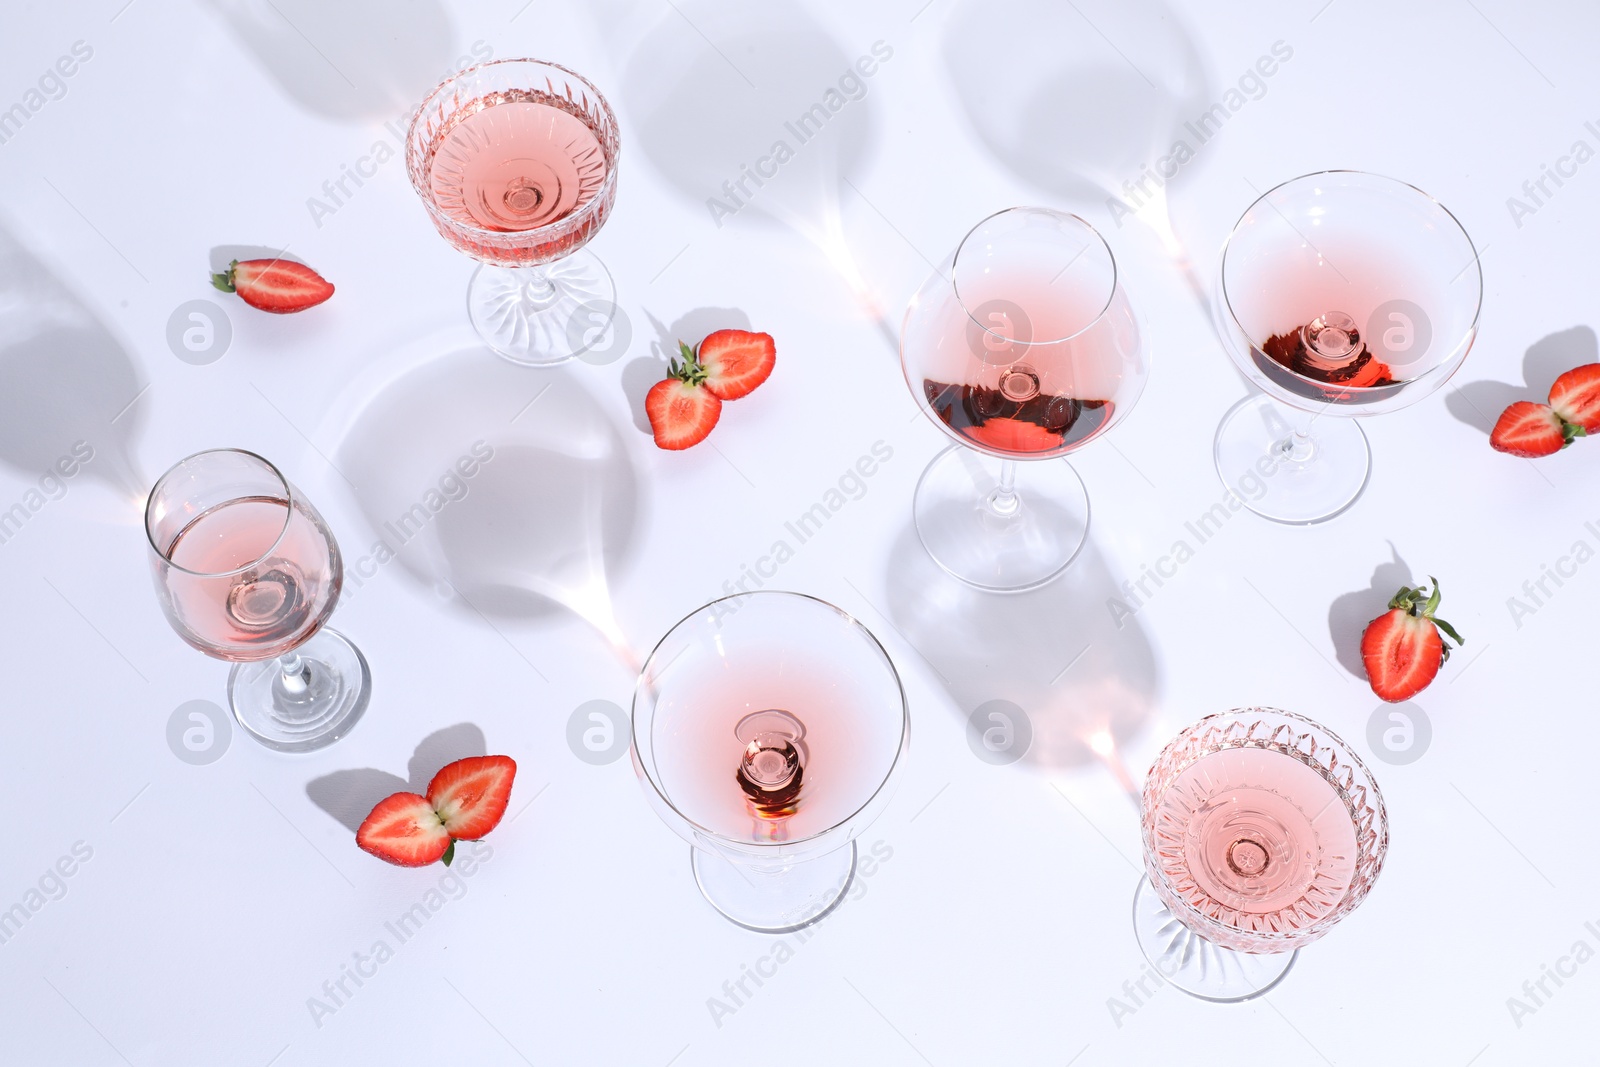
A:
(1256, 840)
(280, 588)
(247, 571)
(514, 161)
(1262, 830)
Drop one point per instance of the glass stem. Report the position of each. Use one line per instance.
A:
(538, 285)
(1298, 447)
(294, 676)
(1004, 501)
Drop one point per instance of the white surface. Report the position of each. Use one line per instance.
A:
(219, 898)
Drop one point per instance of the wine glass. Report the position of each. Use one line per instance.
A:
(1021, 346)
(767, 730)
(248, 572)
(1262, 829)
(1342, 294)
(516, 162)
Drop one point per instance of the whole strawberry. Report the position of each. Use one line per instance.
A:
(1401, 649)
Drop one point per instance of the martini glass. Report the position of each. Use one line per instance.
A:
(767, 730)
(1262, 830)
(248, 572)
(1342, 295)
(1022, 347)
(516, 162)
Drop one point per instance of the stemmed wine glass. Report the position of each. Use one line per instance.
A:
(516, 162)
(1262, 829)
(1021, 346)
(767, 730)
(248, 572)
(1342, 294)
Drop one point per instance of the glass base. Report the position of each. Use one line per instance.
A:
(1287, 467)
(1189, 962)
(775, 900)
(981, 543)
(544, 315)
(323, 702)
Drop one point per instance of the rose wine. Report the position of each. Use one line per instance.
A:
(770, 747)
(516, 161)
(1256, 839)
(1327, 360)
(1038, 423)
(258, 577)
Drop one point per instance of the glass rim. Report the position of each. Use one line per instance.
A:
(1111, 293)
(1196, 920)
(1477, 309)
(574, 219)
(888, 775)
(288, 512)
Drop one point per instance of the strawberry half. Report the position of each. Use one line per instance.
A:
(405, 830)
(280, 286)
(1532, 430)
(470, 795)
(1015, 435)
(1576, 397)
(681, 409)
(736, 361)
(1401, 649)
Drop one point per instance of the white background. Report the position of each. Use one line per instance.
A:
(219, 898)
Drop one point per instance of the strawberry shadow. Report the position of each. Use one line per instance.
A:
(1350, 613)
(640, 374)
(1479, 404)
(350, 795)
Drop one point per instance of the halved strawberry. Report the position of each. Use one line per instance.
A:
(1401, 649)
(280, 286)
(1014, 435)
(1576, 397)
(405, 830)
(680, 408)
(736, 361)
(470, 795)
(1532, 430)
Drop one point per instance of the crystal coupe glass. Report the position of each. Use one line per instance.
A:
(1022, 346)
(1261, 831)
(1342, 295)
(768, 728)
(516, 162)
(248, 572)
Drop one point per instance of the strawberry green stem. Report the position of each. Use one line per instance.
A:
(224, 281)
